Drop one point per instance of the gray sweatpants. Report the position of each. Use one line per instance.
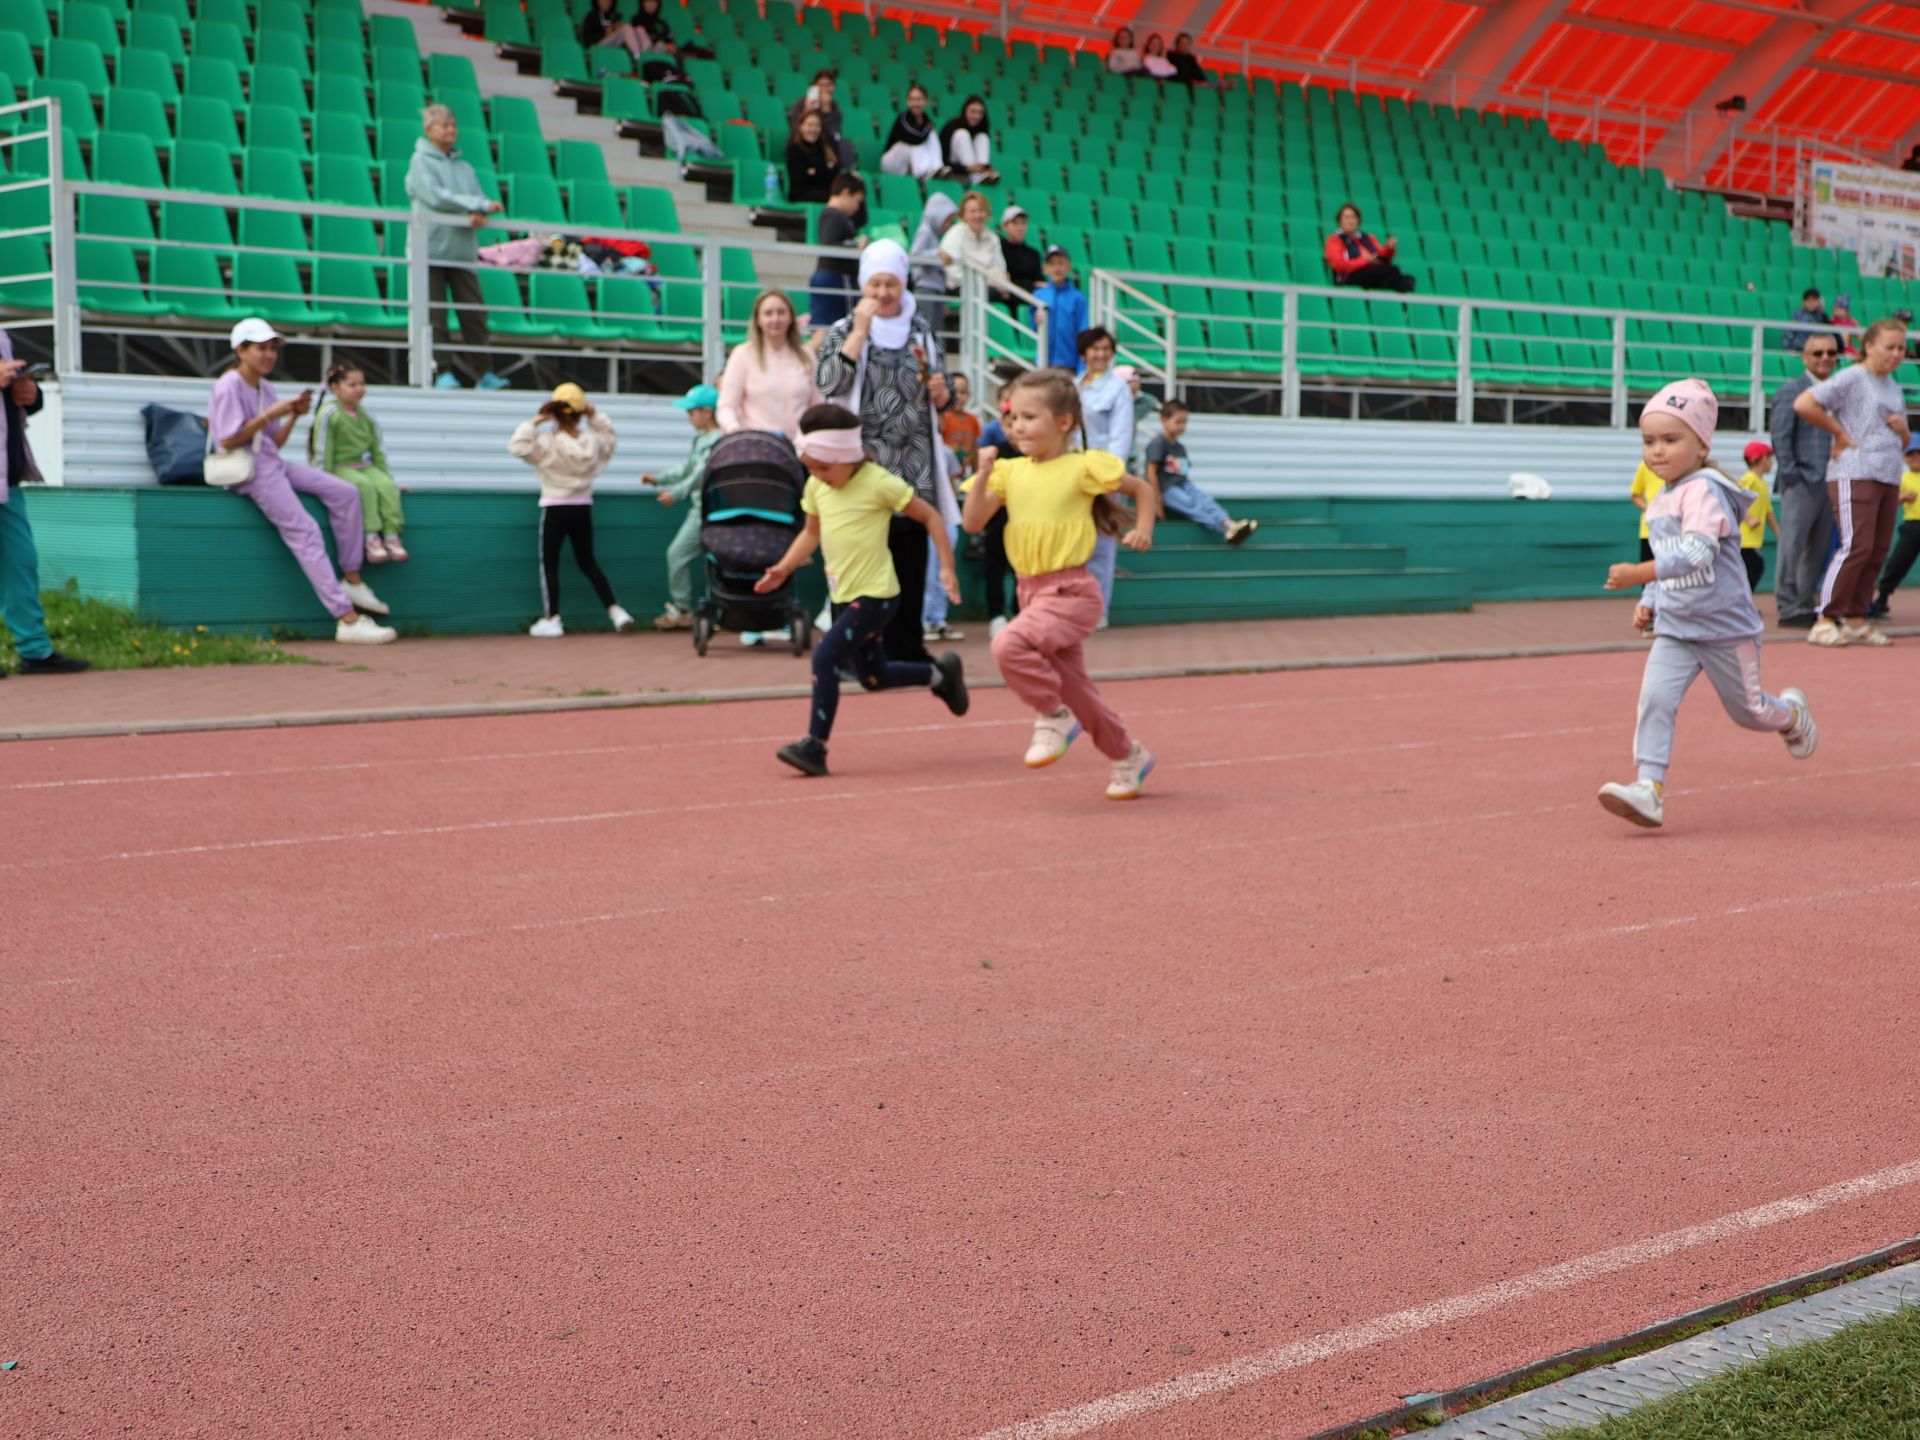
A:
(1734, 668)
(1806, 533)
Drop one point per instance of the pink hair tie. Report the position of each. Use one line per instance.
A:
(834, 447)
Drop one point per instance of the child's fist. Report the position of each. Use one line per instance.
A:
(1642, 618)
(1620, 577)
(1138, 540)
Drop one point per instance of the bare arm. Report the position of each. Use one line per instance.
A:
(1639, 502)
(282, 415)
(798, 554)
(982, 503)
(1146, 509)
(942, 546)
(1821, 418)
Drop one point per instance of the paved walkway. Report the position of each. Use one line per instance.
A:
(507, 673)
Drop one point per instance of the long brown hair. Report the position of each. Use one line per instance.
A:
(1060, 393)
(825, 142)
(760, 340)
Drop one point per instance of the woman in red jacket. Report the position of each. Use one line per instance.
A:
(1358, 259)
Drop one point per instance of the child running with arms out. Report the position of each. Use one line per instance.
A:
(849, 503)
(345, 442)
(1056, 501)
(1697, 604)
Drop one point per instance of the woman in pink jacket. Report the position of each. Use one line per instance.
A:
(768, 383)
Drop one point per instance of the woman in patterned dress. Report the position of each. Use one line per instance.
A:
(884, 363)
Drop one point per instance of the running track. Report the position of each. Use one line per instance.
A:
(590, 1075)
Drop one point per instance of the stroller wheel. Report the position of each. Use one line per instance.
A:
(802, 632)
(702, 633)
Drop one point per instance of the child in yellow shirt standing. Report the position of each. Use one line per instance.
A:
(1057, 501)
(1646, 485)
(1753, 529)
(850, 502)
(1906, 545)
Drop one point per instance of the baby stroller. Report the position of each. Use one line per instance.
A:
(750, 512)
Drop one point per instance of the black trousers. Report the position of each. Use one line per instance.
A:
(1756, 562)
(1002, 599)
(464, 287)
(1646, 548)
(853, 642)
(560, 523)
(907, 543)
(1384, 276)
(1906, 549)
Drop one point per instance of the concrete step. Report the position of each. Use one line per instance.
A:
(1216, 557)
(1271, 594)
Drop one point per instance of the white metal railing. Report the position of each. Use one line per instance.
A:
(991, 337)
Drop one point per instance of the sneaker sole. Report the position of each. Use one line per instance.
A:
(1134, 794)
(1803, 747)
(807, 770)
(1616, 805)
(1072, 735)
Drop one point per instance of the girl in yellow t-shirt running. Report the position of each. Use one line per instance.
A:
(850, 503)
(1057, 500)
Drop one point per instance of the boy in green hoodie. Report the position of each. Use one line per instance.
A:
(683, 483)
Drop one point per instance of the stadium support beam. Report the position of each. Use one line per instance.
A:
(1686, 152)
(1498, 41)
(1170, 17)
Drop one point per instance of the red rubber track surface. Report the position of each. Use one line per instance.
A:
(592, 1074)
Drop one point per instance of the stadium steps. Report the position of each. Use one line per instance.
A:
(1175, 596)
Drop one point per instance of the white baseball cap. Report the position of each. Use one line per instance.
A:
(1011, 214)
(253, 331)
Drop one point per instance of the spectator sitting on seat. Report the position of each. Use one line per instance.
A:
(973, 242)
(1022, 260)
(819, 97)
(1169, 468)
(968, 145)
(344, 441)
(1358, 259)
(913, 144)
(440, 181)
(811, 161)
(1811, 311)
(1186, 65)
(602, 25)
(19, 561)
(649, 19)
(833, 284)
(1842, 314)
(1124, 57)
(1153, 60)
(1065, 304)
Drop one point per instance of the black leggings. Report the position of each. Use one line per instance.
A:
(1756, 563)
(905, 637)
(1906, 549)
(568, 522)
(854, 639)
(1384, 275)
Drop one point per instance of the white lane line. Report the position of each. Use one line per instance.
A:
(1264, 1365)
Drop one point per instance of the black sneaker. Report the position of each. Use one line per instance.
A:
(952, 684)
(808, 756)
(53, 663)
(1797, 622)
(1879, 609)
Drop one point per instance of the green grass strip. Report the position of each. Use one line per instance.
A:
(112, 637)
(1861, 1384)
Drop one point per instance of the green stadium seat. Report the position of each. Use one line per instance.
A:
(343, 95)
(506, 310)
(211, 121)
(276, 127)
(29, 22)
(505, 24)
(203, 166)
(80, 62)
(396, 67)
(126, 159)
(77, 116)
(24, 255)
(187, 278)
(276, 175)
(213, 41)
(595, 203)
(346, 289)
(579, 160)
(107, 279)
(651, 207)
(236, 13)
(625, 98)
(561, 306)
(343, 180)
(270, 285)
(341, 137)
(451, 72)
(340, 26)
(392, 32)
(568, 62)
(534, 197)
(139, 112)
(278, 85)
(525, 155)
(149, 71)
(285, 49)
(334, 56)
(512, 115)
(288, 17)
(215, 79)
(94, 22)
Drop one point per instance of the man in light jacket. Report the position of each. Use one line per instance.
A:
(440, 181)
(1800, 485)
(19, 560)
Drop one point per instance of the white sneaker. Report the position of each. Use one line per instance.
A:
(1864, 634)
(1803, 735)
(1639, 802)
(996, 625)
(363, 598)
(1130, 774)
(548, 627)
(622, 621)
(362, 631)
(937, 634)
(1052, 734)
(1825, 632)
(673, 618)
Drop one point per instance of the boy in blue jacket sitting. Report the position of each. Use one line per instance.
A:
(1066, 305)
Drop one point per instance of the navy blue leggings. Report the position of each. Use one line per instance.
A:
(855, 640)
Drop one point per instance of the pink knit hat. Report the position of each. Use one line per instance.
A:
(1690, 402)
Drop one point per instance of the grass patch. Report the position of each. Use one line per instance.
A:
(112, 637)
(1862, 1384)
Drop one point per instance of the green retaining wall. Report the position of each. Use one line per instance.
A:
(195, 556)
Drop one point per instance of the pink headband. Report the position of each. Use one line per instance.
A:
(1690, 402)
(835, 447)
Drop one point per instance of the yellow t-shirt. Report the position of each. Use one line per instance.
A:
(1646, 485)
(1753, 534)
(1050, 507)
(853, 530)
(1910, 495)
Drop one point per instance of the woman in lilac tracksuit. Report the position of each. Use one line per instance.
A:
(245, 413)
(1697, 601)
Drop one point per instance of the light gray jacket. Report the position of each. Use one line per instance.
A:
(448, 185)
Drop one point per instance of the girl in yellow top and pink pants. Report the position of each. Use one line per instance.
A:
(1057, 500)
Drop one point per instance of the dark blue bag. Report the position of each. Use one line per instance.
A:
(176, 444)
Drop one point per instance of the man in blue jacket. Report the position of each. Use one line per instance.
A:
(1066, 307)
(19, 560)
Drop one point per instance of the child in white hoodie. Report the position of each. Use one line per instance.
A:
(567, 458)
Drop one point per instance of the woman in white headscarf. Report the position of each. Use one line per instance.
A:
(883, 362)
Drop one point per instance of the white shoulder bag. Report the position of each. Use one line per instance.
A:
(227, 468)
